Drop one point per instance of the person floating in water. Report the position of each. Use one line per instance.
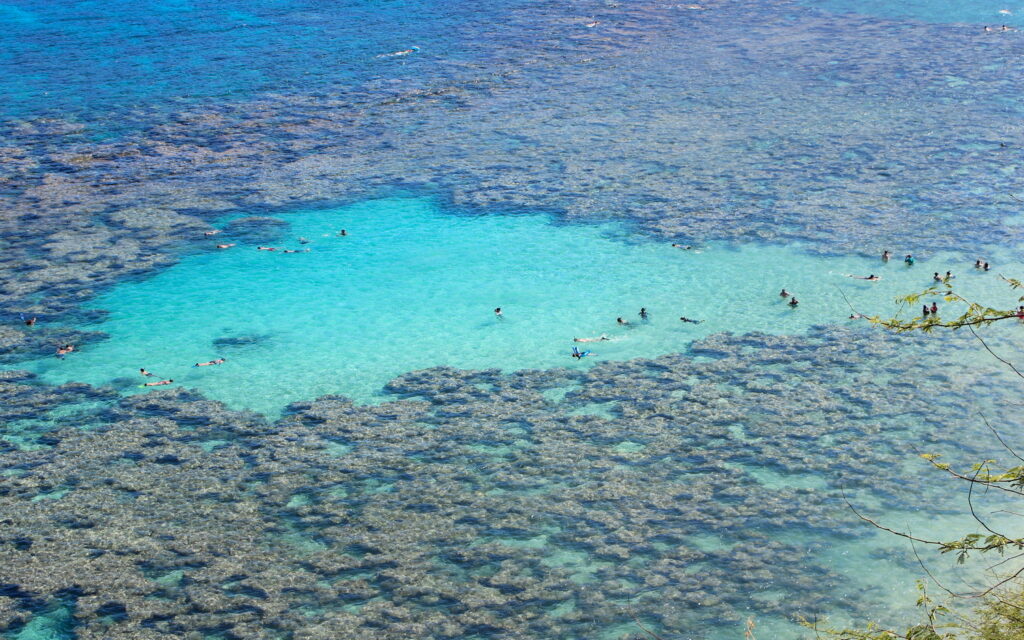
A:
(266, 248)
(909, 260)
(579, 355)
(885, 256)
(398, 54)
(146, 374)
(66, 349)
(211, 233)
(856, 316)
(643, 314)
(158, 383)
(937, 277)
(295, 251)
(303, 240)
(225, 246)
(977, 264)
(793, 302)
(985, 267)
(343, 233)
(870, 277)
(690, 320)
(784, 294)
(624, 323)
(600, 338)
(949, 276)
(29, 322)
(210, 363)
(684, 247)
(498, 314)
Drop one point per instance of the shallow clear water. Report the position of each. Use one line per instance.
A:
(413, 287)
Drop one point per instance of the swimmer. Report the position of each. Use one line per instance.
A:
(266, 248)
(909, 260)
(1005, 12)
(690, 320)
(600, 338)
(949, 276)
(295, 251)
(684, 247)
(937, 277)
(211, 233)
(146, 374)
(157, 384)
(498, 314)
(622, 322)
(871, 277)
(643, 313)
(924, 310)
(794, 302)
(985, 267)
(211, 362)
(593, 24)
(225, 246)
(935, 309)
(303, 240)
(977, 264)
(30, 322)
(397, 54)
(885, 256)
(856, 316)
(784, 294)
(1006, 28)
(988, 29)
(342, 233)
(66, 349)
(1020, 312)
(579, 355)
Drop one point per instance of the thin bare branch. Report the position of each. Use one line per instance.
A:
(983, 343)
(1000, 438)
(884, 528)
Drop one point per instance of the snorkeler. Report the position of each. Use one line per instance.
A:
(303, 240)
(690, 320)
(343, 233)
(579, 355)
(623, 323)
(684, 247)
(857, 316)
(870, 277)
(266, 248)
(158, 384)
(949, 276)
(225, 246)
(397, 54)
(211, 233)
(211, 362)
(600, 338)
(146, 374)
(937, 277)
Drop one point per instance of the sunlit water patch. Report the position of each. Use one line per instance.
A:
(412, 287)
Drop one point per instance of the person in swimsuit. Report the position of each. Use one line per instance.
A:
(643, 313)
(266, 248)
(935, 309)
(579, 355)
(924, 310)
(158, 384)
(885, 256)
(30, 322)
(498, 314)
(343, 233)
(684, 247)
(225, 246)
(937, 277)
(794, 302)
(211, 362)
(622, 322)
(690, 320)
(600, 338)
(211, 233)
(784, 294)
(146, 374)
(870, 277)
(909, 260)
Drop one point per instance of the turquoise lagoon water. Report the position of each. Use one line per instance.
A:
(412, 287)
